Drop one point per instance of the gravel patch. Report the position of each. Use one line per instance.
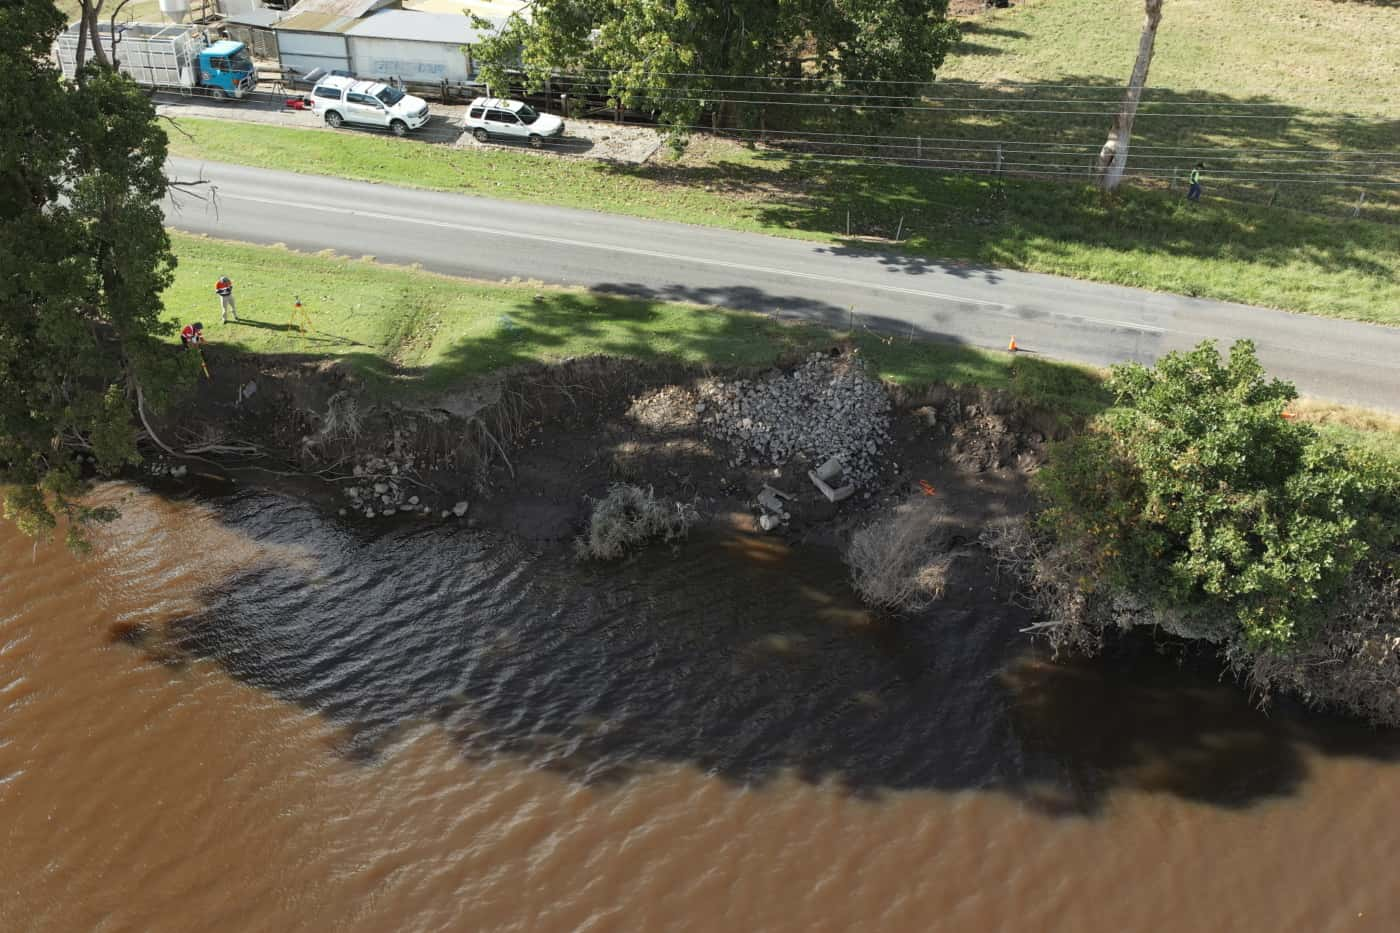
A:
(587, 139)
(826, 407)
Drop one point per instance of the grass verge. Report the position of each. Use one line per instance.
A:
(410, 332)
(413, 332)
(1250, 254)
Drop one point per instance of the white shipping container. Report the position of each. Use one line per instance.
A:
(411, 61)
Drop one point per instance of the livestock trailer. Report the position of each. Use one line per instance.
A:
(167, 56)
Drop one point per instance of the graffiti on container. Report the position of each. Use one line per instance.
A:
(381, 66)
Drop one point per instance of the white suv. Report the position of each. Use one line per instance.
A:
(490, 116)
(340, 99)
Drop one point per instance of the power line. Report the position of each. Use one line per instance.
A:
(934, 82)
(713, 99)
(646, 88)
(1139, 170)
(709, 92)
(1018, 142)
(1080, 172)
(1027, 147)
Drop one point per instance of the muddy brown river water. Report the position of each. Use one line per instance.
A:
(241, 716)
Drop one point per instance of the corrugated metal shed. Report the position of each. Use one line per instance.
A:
(316, 21)
(410, 25)
(353, 9)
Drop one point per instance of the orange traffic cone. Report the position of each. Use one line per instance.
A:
(1013, 348)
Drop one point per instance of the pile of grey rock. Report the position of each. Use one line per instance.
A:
(382, 487)
(826, 408)
(160, 467)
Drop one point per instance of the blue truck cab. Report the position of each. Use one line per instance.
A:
(226, 69)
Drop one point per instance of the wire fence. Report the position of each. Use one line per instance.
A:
(1257, 151)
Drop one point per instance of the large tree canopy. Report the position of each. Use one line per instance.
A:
(85, 257)
(685, 58)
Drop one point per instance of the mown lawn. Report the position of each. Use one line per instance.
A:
(1250, 254)
(410, 332)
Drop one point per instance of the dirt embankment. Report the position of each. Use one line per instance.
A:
(527, 450)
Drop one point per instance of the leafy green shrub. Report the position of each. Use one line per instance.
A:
(1197, 494)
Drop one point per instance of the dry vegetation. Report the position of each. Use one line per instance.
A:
(900, 561)
(629, 516)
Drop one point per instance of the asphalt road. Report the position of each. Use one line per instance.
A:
(831, 284)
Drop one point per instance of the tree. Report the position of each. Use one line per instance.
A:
(86, 257)
(1113, 157)
(1197, 495)
(685, 59)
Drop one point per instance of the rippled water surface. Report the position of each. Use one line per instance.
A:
(241, 716)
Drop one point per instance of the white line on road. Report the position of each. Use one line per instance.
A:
(675, 257)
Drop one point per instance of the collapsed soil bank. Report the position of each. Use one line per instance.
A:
(527, 449)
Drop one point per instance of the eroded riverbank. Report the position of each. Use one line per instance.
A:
(246, 710)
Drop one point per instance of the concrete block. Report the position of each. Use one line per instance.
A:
(829, 471)
(832, 495)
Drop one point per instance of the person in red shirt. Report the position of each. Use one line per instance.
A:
(192, 335)
(224, 289)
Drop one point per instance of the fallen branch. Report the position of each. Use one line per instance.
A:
(150, 431)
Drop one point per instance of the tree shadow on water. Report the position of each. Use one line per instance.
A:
(729, 655)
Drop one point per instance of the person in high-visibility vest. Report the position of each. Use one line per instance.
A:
(1194, 194)
(192, 335)
(224, 289)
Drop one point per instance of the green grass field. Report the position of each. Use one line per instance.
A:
(1323, 55)
(137, 11)
(410, 332)
(1276, 83)
(1250, 254)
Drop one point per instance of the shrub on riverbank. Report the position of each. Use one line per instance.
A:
(1203, 495)
(1200, 506)
(629, 516)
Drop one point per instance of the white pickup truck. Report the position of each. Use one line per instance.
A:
(341, 99)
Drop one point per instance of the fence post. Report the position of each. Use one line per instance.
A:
(1173, 187)
(901, 228)
(848, 221)
(1356, 211)
(921, 147)
(1273, 197)
(548, 93)
(1000, 160)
